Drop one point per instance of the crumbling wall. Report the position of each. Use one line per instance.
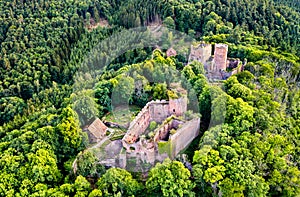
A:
(234, 66)
(184, 136)
(216, 66)
(163, 132)
(233, 63)
(178, 106)
(138, 126)
(156, 111)
(207, 50)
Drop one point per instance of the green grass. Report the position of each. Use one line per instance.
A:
(118, 134)
(164, 147)
(122, 115)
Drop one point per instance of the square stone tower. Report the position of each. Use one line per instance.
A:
(220, 57)
(200, 52)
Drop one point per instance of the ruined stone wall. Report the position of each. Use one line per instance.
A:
(233, 72)
(162, 132)
(156, 111)
(159, 110)
(178, 106)
(200, 53)
(207, 50)
(138, 125)
(184, 136)
(220, 57)
(153, 111)
(233, 63)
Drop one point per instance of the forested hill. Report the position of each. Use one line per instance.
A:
(295, 4)
(256, 152)
(36, 37)
(278, 25)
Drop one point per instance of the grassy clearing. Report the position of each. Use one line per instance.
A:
(122, 115)
(118, 134)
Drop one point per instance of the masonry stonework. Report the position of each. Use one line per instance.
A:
(218, 67)
(163, 132)
(220, 57)
(184, 136)
(201, 52)
(156, 111)
(159, 110)
(178, 106)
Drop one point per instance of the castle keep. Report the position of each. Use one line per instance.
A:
(201, 53)
(220, 57)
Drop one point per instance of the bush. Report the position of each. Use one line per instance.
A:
(152, 126)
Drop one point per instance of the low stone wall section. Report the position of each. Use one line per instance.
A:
(162, 132)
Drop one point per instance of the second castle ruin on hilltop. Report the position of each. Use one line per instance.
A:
(218, 66)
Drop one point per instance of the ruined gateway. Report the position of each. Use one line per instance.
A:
(141, 148)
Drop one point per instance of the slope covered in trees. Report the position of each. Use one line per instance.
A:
(254, 153)
(290, 3)
(279, 25)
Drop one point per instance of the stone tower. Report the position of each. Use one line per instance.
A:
(178, 106)
(220, 57)
(201, 53)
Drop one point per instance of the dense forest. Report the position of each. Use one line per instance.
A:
(254, 152)
(291, 3)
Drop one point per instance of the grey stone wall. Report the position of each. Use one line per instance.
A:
(178, 106)
(184, 136)
(159, 110)
(201, 53)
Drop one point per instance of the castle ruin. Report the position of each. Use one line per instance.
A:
(220, 57)
(218, 66)
(173, 135)
(201, 53)
(156, 111)
(141, 147)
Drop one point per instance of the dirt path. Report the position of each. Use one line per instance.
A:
(93, 25)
